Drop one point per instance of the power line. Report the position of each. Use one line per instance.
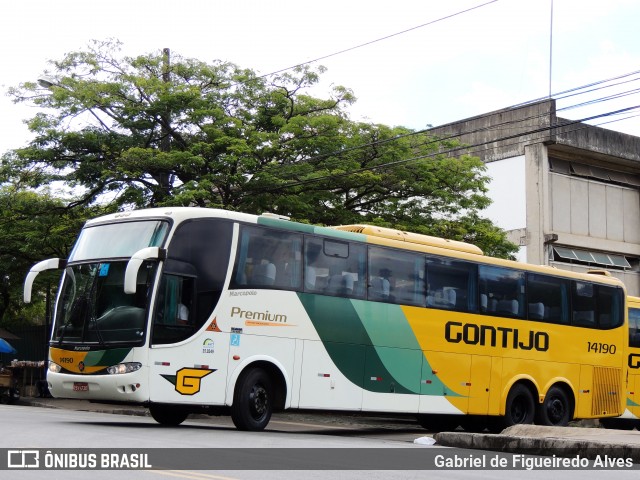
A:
(464, 149)
(596, 89)
(498, 126)
(379, 39)
(618, 119)
(557, 95)
(614, 96)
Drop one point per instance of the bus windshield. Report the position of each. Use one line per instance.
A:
(93, 308)
(118, 240)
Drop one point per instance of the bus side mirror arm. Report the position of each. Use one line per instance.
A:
(131, 273)
(49, 264)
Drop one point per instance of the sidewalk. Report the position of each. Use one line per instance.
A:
(526, 439)
(82, 405)
(560, 441)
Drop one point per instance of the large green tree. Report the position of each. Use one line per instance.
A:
(153, 130)
(33, 226)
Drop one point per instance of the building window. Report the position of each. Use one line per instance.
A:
(587, 171)
(585, 257)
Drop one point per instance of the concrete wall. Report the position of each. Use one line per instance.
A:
(604, 215)
(506, 133)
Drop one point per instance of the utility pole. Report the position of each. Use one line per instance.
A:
(165, 141)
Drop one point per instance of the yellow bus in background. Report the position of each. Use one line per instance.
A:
(191, 309)
(630, 419)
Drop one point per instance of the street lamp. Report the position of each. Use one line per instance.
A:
(47, 82)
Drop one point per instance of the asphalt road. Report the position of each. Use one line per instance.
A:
(311, 444)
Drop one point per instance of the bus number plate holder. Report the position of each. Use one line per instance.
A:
(80, 387)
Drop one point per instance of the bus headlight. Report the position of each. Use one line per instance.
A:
(124, 368)
(54, 367)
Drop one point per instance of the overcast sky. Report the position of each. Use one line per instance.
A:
(485, 59)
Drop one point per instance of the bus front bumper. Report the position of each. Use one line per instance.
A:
(129, 387)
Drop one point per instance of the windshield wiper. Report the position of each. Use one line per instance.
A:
(78, 312)
(91, 319)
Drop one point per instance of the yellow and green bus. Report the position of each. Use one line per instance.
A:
(190, 309)
(630, 419)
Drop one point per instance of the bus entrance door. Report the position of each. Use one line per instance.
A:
(200, 379)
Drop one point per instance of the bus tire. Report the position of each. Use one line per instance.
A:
(168, 415)
(556, 410)
(520, 407)
(252, 401)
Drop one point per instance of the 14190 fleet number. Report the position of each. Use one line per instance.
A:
(597, 347)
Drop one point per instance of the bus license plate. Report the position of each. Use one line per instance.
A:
(80, 387)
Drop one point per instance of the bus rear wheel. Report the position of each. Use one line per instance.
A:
(520, 407)
(556, 409)
(168, 414)
(252, 401)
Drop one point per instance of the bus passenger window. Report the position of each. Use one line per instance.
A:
(396, 277)
(334, 267)
(451, 284)
(584, 304)
(263, 272)
(548, 298)
(597, 306)
(502, 290)
(634, 327)
(268, 258)
(312, 251)
(339, 282)
(609, 311)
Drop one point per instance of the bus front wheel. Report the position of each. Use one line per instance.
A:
(556, 409)
(168, 414)
(252, 401)
(520, 407)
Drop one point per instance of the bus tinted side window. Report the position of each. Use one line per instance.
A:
(501, 291)
(396, 277)
(334, 267)
(548, 298)
(610, 307)
(268, 259)
(597, 306)
(451, 284)
(193, 278)
(584, 304)
(634, 327)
